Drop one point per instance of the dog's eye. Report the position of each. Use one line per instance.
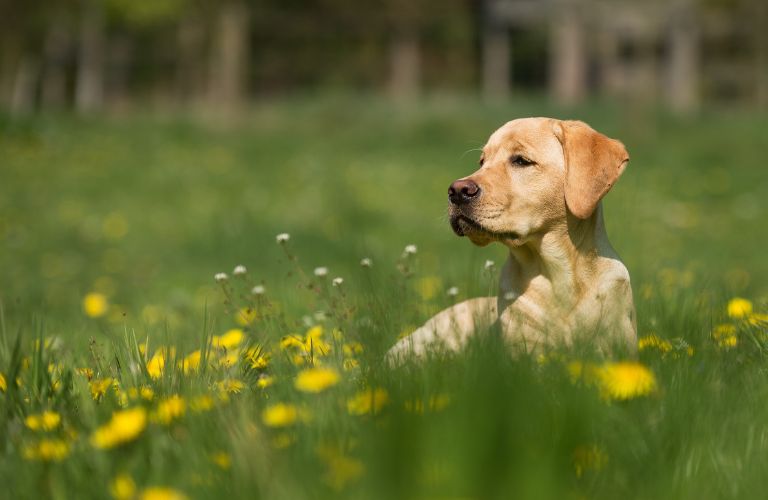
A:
(482, 160)
(520, 161)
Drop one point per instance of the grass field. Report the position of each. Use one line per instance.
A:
(128, 371)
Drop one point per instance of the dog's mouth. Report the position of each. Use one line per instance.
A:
(463, 225)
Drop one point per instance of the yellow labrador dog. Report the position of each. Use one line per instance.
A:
(538, 192)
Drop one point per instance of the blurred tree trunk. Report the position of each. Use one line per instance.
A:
(683, 63)
(568, 60)
(760, 21)
(496, 56)
(25, 84)
(89, 85)
(405, 62)
(190, 71)
(54, 84)
(229, 57)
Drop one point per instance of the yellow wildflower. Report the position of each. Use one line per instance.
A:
(122, 487)
(587, 458)
(626, 380)
(265, 381)
(201, 403)
(758, 319)
(316, 379)
(739, 307)
(222, 459)
(582, 372)
(156, 364)
(3, 383)
(350, 364)
(47, 450)
(146, 393)
(161, 493)
(653, 341)
(231, 385)
(86, 372)
(99, 386)
(191, 363)
(170, 409)
(125, 426)
(724, 335)
(352, 348)
(368, 401)
(47, 421)
(257, 358)
(245, 316)
(232, 338)
(279, 415)
(95, 305)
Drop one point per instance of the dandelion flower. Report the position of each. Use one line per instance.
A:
(245, 316)
(366, 262)
(231, 339)
(316, 380)
(222, 459)
(191, 362)
(122, 487)
(220, 277)
(282, 237)
(161, 493)
(586, 458)
(3, 383)
(95, 305)
(368, 401)
(47, 421)
(265, 381)
(125, 426)
(170, 409)
(321, 271)
(156, 365)
(653, 341)
(258, 290)
(46, 450)
(201, 403)
(231, 385)
(257, 358)
(337, 281)
(239, 270)
(739, 307)
(724, 335)
(99, 387)
(626, 380)
(280, 415)
(341, 469)
(410, 250)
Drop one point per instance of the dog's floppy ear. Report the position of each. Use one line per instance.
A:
(593, 163)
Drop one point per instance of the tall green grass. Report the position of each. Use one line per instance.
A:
(145, 210)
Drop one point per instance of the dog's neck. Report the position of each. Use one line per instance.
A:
(561, 261)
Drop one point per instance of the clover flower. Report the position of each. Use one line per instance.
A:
(453, 291)
(282, 238)
(366, 262)
(258, 290)
(410, 250)
(239, 270)
(337, 281)
(220, 277)
(489, 264)
(321, 271)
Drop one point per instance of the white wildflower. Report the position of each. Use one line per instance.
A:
(337, 281)
(258, 290)
(453, 291)
(320, 316)
(510, 296)
(283, 237)
(321, 271)
(366, 262)
(410, 250)
(220, 277)
(239, 270)
(489, 264)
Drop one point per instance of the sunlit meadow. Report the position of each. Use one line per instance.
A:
(200, 311)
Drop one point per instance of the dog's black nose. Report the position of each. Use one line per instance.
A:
(462, 191)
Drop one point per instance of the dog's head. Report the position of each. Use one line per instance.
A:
(533, 171)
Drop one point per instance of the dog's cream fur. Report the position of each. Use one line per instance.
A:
(562, 278)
